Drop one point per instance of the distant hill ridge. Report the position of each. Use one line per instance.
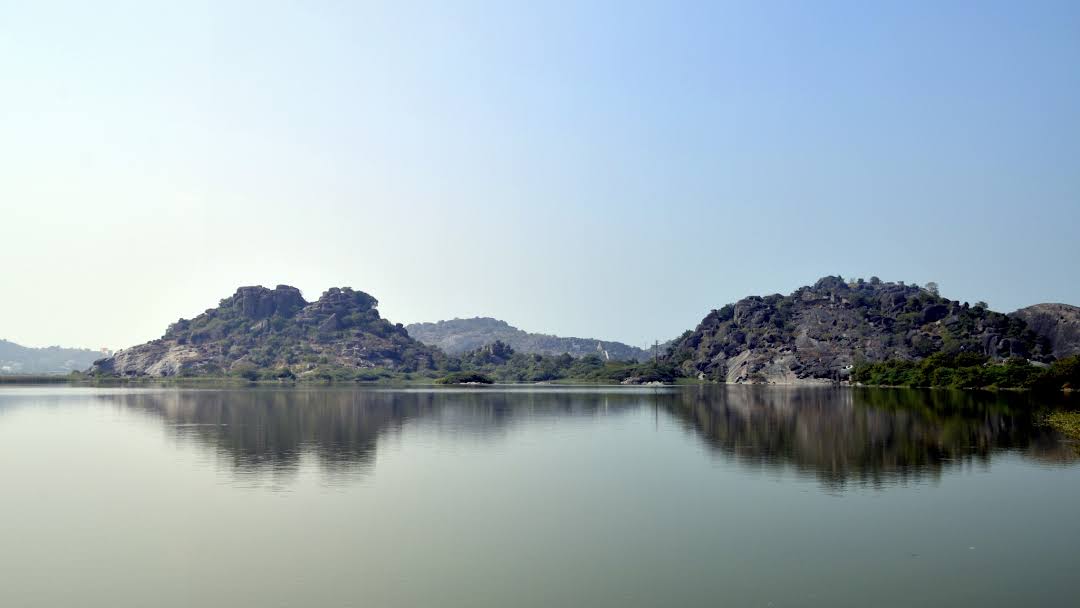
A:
(457, 336)
(16, 359)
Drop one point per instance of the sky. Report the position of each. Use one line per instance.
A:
(597, 169)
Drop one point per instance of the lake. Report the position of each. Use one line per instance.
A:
(544, 496)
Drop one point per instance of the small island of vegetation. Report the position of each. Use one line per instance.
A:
(465, 378)
(1066, 423)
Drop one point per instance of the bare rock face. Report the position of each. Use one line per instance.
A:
(276, 328)
(340, 302)
(1059, 324)
(259, 302)
(819, 332)
(156, 358)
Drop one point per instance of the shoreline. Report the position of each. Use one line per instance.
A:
(58, 379)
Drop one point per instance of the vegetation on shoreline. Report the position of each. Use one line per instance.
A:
(497, 362)
(1066, 423)
(970, 370)
(501, 362)
(465, 378)
(36, 378)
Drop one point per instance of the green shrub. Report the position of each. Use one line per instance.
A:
(970, 370)
(465, 378)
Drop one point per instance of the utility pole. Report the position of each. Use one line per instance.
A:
(655, 352)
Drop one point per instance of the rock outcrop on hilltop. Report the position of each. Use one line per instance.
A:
(458, 336)
(819, 332)
(276, 328)
(1058, 323)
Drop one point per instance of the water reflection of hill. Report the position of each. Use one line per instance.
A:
(840, 436)
(865, 436)
(271, 430)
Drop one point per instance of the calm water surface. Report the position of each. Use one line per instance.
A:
(737, 496)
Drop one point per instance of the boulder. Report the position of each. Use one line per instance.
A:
(258, 302)
(1057, 324)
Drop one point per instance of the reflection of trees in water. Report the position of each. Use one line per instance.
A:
(865, 436)
(272, 430)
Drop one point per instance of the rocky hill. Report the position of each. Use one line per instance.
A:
(1058, 323)
(16, 359)
(276, 328)
(820, 331)
(458, 336)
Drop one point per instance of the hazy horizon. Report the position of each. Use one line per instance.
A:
(608, 170)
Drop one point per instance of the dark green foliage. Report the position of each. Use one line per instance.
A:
(970, 370)
(465, 378)
(1063, 374)
(501, 362)
(332, 374)
(662, 371)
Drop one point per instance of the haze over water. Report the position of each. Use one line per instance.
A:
(738, 496)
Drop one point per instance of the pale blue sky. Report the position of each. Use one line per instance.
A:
(597, 169)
